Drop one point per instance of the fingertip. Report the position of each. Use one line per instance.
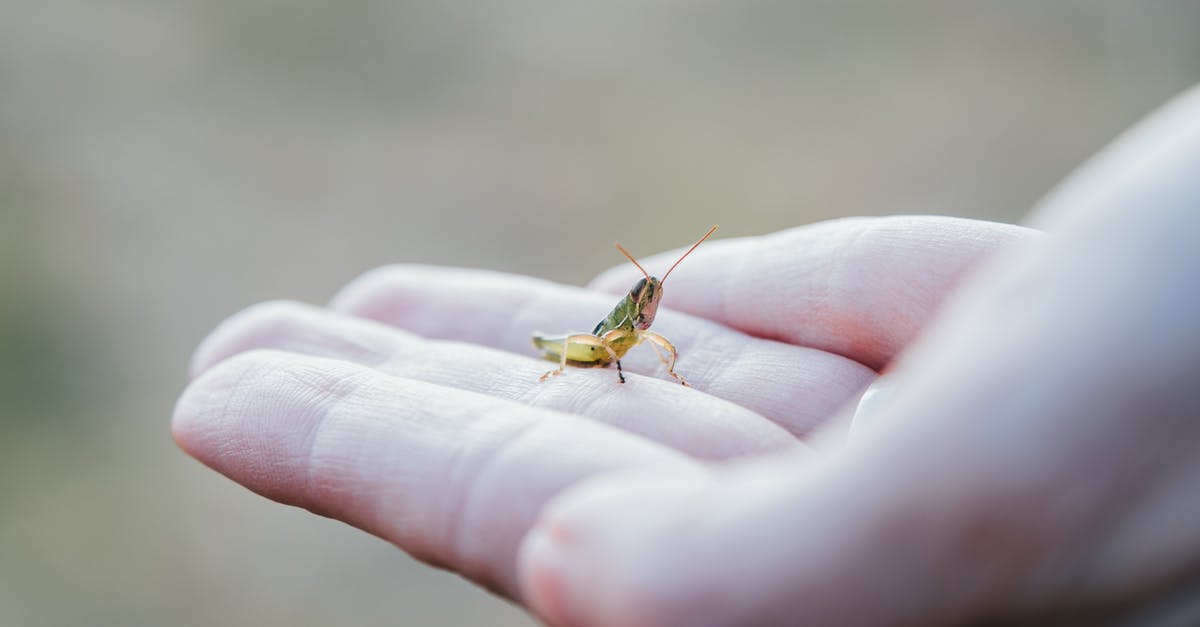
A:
(199, 415)
(440, 302)
(377, 294)
(615, 280)
(355, 294)
(541, 572)
(253, 417)
(258, 326)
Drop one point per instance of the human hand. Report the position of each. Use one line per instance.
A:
(452, 450)
(432, 430)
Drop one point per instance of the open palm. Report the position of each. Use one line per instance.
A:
(411, 407)
(1036, 460)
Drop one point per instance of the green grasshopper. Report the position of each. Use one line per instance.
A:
(625, 326)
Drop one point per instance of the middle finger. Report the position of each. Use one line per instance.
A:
(793, 386)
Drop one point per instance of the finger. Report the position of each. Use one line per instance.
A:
(862, 288)
(836, 542)
(585, 564)
(793, 386)
(668, 413)
(454, 478)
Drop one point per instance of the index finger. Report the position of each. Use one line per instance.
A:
(861, 288)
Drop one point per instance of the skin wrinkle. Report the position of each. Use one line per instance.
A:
(324, 404)
(716, 357)
(717, 342)
(438, 551)
(819, 292)
(396, 519)
(463, 474)
(805, 310)
(534, 394)
(844, 262)
(923, 297)
(236, 390)
(715, 360)
(476, 502)
(393, 511)
(462, 511)
(582, 393)
(266, 366)
(710, 370)
(585, 404)
(899, 325)
(590, 399)
(720, 351)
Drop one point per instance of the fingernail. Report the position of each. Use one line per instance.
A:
(871, 405)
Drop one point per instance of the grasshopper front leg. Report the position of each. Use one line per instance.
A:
(657, 341)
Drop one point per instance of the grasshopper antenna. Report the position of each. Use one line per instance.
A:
(689, 251)
(630, 257)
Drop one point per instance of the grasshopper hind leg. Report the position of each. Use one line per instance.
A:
(585, 339)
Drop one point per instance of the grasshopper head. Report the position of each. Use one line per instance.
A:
(648, 291)
(645, 296)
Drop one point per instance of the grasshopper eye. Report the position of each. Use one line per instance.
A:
(637, 288)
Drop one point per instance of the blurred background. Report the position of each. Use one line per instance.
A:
(164, 163)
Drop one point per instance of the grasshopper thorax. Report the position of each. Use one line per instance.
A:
(645, 296)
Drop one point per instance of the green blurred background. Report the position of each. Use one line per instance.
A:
(164, 163)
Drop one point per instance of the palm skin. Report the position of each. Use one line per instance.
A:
(1033, 462)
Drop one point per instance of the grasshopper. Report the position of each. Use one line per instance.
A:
(626, 326)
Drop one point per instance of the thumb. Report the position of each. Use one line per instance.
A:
(772, 542)
(1035, 460)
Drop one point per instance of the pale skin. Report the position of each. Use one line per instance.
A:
(1037, 460)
